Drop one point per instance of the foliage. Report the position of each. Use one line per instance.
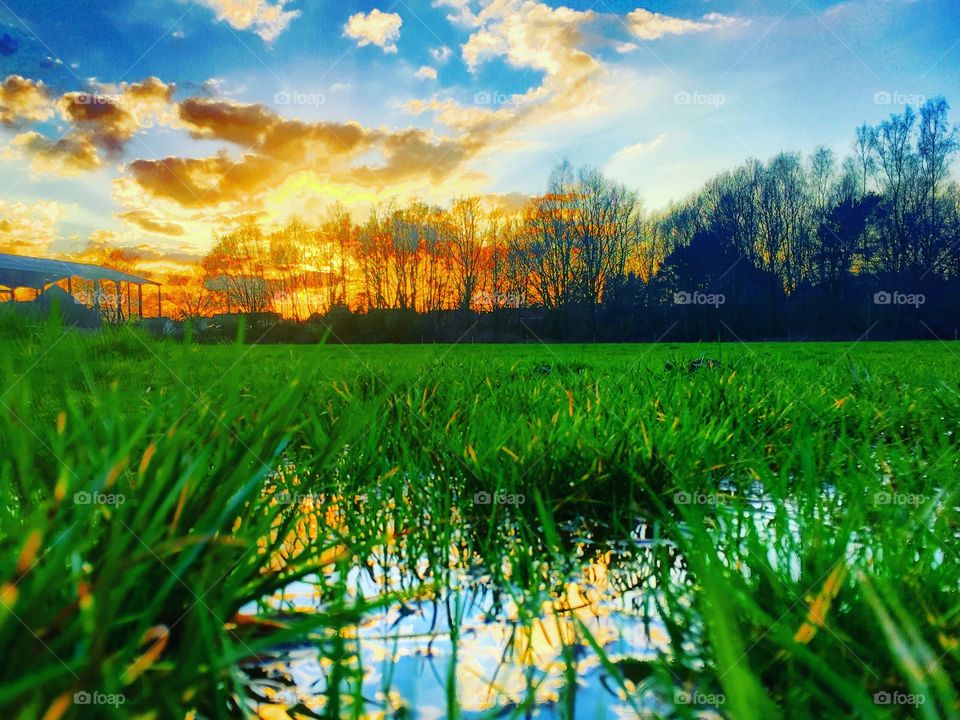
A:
(823, 571)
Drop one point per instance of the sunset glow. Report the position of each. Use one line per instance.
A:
(156, 127)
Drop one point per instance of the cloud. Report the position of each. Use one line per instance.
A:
(226, 120)
(640, 148)
(22, 99)
(267, 166)
(556, 42)
(29, 228)
(441, 54)
(461, 13)
(267, 19)
(528, 35)
(648, 25)
(276, 150)
(100, 122)
(147, 257)
(67, 156)
(375, 28)
(101, 119)
(146, 220)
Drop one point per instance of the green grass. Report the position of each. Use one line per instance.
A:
(818, 567)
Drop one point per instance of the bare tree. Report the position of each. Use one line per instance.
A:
(937, 144)
(467, 237)
(237, 267)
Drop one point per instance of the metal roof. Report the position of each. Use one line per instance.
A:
(20, 271)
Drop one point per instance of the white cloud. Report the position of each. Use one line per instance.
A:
(426, 73)
(441, 54)
(267, 18)
(462, 13)
(640, 148)
(375, 28)
(530, 35)
(648, 25)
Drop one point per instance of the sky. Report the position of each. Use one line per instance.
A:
(154, 124)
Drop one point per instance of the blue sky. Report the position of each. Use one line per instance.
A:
(366, 101)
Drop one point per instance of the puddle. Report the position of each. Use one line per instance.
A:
(473, 641)
(478, 644)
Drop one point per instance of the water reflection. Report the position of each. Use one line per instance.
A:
(482, 648)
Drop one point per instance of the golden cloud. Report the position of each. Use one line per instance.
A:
(29, 228)
(275, 149)
(22, 99)
(68, 156)
(103, 121)
(111, 120)
(146, 220)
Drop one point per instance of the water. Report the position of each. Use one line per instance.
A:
(492, 650)
(507, 660)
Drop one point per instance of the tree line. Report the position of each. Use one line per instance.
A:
(797, 246)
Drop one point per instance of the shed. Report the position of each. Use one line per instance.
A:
(20, 271)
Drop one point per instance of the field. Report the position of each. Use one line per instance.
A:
(742, 531)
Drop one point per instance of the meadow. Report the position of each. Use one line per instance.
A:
(665, 531)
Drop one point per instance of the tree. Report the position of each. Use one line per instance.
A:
(237, 268)
(937, 143)
(337, 240)
(467, 236)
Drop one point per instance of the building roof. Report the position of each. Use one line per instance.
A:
(18, 271)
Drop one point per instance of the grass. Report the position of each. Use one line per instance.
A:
(797, 509)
